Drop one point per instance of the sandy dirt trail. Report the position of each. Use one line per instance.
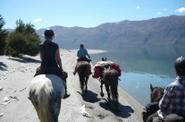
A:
(15, 75)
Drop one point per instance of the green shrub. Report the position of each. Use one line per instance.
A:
(16, 44)
(32, 45)
(3, 35)
(23, 40)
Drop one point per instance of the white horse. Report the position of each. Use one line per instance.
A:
(46, 92)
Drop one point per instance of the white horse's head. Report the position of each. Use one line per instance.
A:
(46, 92)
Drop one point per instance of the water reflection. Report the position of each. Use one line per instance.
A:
(142, 66)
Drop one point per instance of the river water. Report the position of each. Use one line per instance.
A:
(142, 67)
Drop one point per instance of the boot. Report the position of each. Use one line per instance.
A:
(75, 70)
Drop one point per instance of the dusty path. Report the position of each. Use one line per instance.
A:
(15, 75)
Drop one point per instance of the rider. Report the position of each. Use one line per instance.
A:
(50, 59)
(82, 55)
(171, 106)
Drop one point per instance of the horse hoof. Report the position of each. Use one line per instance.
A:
(102, 94)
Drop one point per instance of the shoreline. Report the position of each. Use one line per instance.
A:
(15, 77)
(90, 51)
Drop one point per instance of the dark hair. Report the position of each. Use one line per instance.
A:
(49, 33)
(81, 45)
(180, 65)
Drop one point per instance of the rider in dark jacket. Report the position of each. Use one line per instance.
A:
(50, 59)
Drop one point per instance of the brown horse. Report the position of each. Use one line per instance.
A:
(109, 78)
(156, 94)
(151, 108)
(84, 70)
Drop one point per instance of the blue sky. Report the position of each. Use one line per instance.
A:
(85, 13)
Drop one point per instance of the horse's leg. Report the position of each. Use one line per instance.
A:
(86, 81)
(114, 91)
(87, 73)
(101, 86)
(55, 106)
(81, 82)
(114, 95)
(108, 91)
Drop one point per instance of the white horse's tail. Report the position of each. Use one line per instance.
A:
(41, 90)
(43, 106)
(40, 100)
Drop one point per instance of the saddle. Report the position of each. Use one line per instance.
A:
(51, 70)
(84, 59)
(80, 63)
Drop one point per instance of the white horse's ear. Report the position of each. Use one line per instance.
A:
(151, 87)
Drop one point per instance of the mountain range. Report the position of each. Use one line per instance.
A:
(157, 32)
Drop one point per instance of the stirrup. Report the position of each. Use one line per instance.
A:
(66, 96)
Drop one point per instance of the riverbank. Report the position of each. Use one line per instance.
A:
(15, 75)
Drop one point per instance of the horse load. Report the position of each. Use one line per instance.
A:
(105, 64)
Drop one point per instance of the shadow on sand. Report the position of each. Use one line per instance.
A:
(89, 96)
(3, 66)
(124, 111)
(25, 60)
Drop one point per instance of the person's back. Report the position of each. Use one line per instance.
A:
(172, 104)
(48, 50)
(173, 100)
(83, 54)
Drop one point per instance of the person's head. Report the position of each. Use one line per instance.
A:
(180, 66)
(49, 34)
(81, 46)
